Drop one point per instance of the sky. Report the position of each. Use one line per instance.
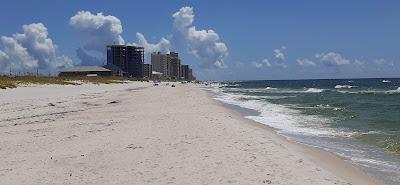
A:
(220, 40)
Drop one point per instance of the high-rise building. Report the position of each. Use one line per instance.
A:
(185, 72)
(155, 61)
(160, 63)
(174, 65)
(147, 71)
(170, 66)
(129, 59)
(191, 77)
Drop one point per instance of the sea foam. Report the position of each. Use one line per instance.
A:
(395, 91)
(270, 88)
(344, 86)
(314, 90)
(284, 119)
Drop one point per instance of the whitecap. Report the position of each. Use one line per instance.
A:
(314, 90)
(393, 91)
(270, 88)
(344, 86)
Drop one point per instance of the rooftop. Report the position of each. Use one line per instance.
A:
(84, 69)
(119, 45)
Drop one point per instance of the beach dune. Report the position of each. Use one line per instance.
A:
(136, 133)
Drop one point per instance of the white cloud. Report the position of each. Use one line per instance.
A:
(262, 64)
(305, 62)
(97, 31)
(163, 45)
(332, 59)
(279, 54)
(183, 18)
(203, 44)
(31, 50)
(3, 56)
(17, 57)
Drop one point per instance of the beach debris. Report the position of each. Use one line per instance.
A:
(300, 161)
(82, 155)
(112, 102)
(69, 137)
(172, 85)
(51, 104)
(132, 146)
(267, 181)
(186, 142)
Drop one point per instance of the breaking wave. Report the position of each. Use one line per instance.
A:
(344, 86)
(395, 91)
(314, 90)
(284, 119)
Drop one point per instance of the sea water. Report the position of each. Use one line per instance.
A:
(357, 119)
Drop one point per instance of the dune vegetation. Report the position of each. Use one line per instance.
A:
(13, 82)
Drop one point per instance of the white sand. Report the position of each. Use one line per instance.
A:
(139, 134)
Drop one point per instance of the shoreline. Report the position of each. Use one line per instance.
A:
(137, 133)
(328, 160)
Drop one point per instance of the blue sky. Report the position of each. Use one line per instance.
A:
(311, 39)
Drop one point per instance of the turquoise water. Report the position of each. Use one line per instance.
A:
(358, 119)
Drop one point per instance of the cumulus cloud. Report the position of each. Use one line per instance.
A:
(279, 54)
(203, 44)
(332, 59)
(262, 64)
(96, 31)
(15, 56)
(99, 30)
(3, 56)
(31, 50)
(163, 45)
(183, 18)
(305, 62)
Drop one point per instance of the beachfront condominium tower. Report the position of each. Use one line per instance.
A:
(159, 63)
(129, 59)
(155, 61)
(185, 72)
(147, 71)
(174, 65)
(191, 77)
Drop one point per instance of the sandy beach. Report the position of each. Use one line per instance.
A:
(137, 133)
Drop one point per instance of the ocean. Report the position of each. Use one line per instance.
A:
(357, 119)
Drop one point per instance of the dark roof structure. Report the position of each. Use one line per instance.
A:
(84, 69)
